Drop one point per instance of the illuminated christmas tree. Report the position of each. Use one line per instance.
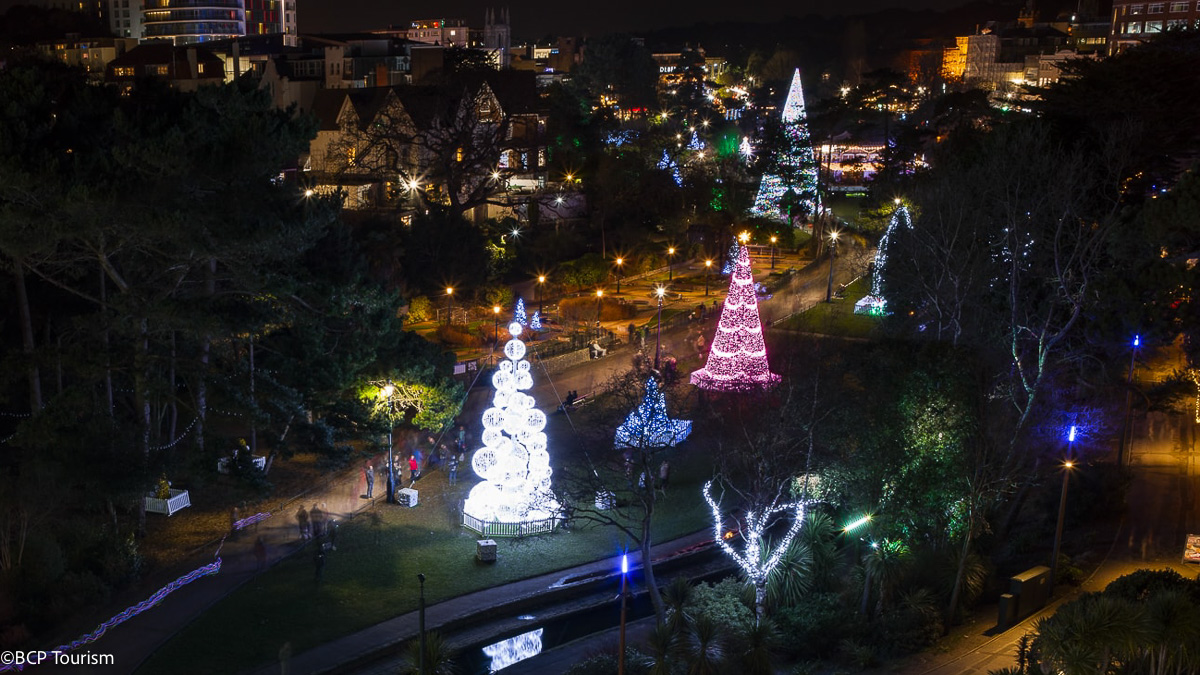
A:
(536, 322)
(797, 164)
(648, 425)
(738, 358)
(731, 257)
(519, 313)
(667, 164)
(513, 461)
(745, 148)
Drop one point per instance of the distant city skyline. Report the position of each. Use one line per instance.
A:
(532, 19)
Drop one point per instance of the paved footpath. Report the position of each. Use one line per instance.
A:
(132, 642)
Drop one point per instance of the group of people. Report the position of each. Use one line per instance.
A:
(438, 455)
(316, 523)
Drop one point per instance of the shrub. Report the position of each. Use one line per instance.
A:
(419, 309)
(912, 626)
(584, 309)
(724, 603)
(457, 335)
(498, 294)
(815, 626)
(636, 663)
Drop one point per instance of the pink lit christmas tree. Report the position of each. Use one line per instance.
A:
(738, 358)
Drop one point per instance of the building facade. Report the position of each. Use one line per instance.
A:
(1136, 20)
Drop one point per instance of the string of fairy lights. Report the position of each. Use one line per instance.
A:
(150, 602)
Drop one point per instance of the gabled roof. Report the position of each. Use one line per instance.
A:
(366, 103)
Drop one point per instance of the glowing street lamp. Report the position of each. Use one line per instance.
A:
(620, 261)
(495, 326)
(386, 392)
(773, 240)
(670, 262)
(833, 237)
(1062, 509)
(449, 303)
(707, 267)
(599, 297)
(660, 292)
(540, 290)
(744, 237)
(621, 648)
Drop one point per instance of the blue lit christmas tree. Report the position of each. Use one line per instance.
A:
(648, 425)
(695, 143)
(667, 164)
(519, 313)
(798, 162)
(731, 257)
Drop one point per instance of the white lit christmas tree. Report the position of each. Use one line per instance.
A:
(536, 322)
(648, 425)
(746, 149)
(731, 257)
(513, 461)
(799, 161)
(519, 314)
(738, 358)
(874, 302)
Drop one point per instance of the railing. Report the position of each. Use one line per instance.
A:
(524, 528)
(178, 499)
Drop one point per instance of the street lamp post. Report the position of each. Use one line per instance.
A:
(620, 261)
(660, 291)
(833, 237)
(621, 647)
(387, 391)
(599, 296)
(773, 240)
(495, 326)
(1125, 447)
(540, 292)
(670, 263)
(707, 267)
(421, 625)
(449, 304)
(1062, 509)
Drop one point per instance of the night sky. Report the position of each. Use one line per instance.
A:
(534, 19)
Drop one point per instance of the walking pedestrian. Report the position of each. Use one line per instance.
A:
(260, 553)
(317, 516)
(462, 438)
(414, 470)
(370, 482)
(302, 521)
(664, 475)
(452, 466)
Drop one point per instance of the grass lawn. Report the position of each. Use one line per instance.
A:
(372, 575)
(837, 318)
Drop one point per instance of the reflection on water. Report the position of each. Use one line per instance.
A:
(514, 649)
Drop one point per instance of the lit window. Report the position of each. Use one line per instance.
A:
(1179, 6)
(1137, 9)
(1135, 27)
(1154, 8)
(1154, 26)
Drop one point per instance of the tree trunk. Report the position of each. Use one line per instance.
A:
(958, 575)
(760, 600)
(210, 289)
(141, 401)
(173, 426)
(253, 405)
(648, 569)
(866, 596)
(108, 383)
(27, 344)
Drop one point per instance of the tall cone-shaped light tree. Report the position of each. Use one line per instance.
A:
(794, 166)
(738, 358)
(513, 461)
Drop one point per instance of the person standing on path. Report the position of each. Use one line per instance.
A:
(370, 481)
(302, 521)
(318, 521)
(452, 467)
(462, 438)
(414, 470)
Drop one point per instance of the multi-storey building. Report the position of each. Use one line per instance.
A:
(1136, 20)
